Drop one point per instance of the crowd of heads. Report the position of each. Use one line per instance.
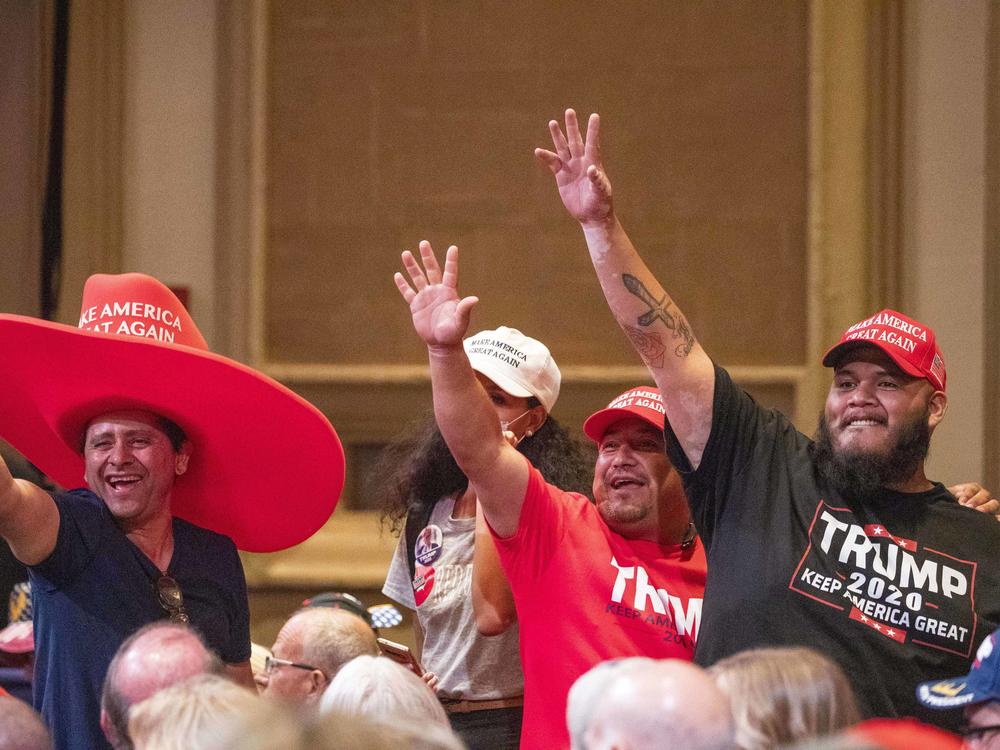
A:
(166, 691)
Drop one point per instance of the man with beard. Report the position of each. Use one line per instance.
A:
(842, 544)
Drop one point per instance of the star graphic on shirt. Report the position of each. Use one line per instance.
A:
(878, 531)
(877, 627)
(901, 542)
(864, 619)
(891, 633)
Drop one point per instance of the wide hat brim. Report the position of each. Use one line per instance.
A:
(267, 467)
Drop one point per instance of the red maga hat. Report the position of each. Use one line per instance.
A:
(19, 637)
(267, 467)
(644, 402)
(904, 734)
(909, 343)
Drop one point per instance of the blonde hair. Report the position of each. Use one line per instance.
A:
(184, 716)
(383, 690)
(782, 695)
(279, 726)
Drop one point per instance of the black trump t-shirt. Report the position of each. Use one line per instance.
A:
(896, 591)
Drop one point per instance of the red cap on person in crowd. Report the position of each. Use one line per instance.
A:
(644, 402)
(905, 734)
(909, 343)
(19, 637)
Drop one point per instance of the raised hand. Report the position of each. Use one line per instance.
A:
(576, 164)
(440, 317)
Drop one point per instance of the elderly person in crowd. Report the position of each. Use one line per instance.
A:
(310, 649)
(187, 715)
(21, 728)
(783, 695)
(383, 690)
(659, 703)
(156, 656)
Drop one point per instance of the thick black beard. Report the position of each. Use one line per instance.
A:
(863, 476)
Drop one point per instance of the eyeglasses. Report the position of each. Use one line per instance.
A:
(970, 731)
(271, 663)
(171, 598)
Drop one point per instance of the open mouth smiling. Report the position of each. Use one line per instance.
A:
(123, 481)
(861, 422)
(619, 482)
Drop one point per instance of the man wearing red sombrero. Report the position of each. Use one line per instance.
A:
(186, 456)
(841, 543)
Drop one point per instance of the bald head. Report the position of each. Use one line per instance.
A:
(332, 637)
(324, 638)
(666, 703)
(154, 657)
(588, 691)
(21, 728)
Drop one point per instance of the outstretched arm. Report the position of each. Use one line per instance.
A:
(656, 327)
(497, 473)
(29, 519)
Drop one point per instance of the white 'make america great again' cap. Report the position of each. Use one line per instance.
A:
(520, 365)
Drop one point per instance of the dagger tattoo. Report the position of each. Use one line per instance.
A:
(659, 310)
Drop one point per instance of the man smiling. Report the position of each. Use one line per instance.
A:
(158, 429)
(842, 544)
(621, 577)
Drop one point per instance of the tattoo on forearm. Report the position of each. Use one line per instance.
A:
(658, 310)
(684, 332)
(649, 346)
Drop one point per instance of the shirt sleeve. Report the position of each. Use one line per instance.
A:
(83, 522)
(398, 586)
(738, 424)
(545, 513)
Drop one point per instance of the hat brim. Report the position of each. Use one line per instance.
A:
(507, 384)
(836, 353)
(942, 694)
(598, 423)
(267, 468)
(18, 638)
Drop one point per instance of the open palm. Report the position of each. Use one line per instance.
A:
(583, 186)
(440, 317)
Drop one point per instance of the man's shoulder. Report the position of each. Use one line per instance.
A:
(561, 500)
(83, 508)
(83, 497)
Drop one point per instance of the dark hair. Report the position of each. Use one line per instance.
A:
(174, 432)
(417, 469)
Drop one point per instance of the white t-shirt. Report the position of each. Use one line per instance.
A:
(469, 666)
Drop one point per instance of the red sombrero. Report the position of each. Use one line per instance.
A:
(267, 467)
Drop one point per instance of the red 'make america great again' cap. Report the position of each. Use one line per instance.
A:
(909, 343)
(644, 402)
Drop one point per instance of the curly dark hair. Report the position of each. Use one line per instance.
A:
(417, 469)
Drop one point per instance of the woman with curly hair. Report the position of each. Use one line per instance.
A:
(442, 564)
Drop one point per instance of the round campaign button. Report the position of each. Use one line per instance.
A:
(428, 546)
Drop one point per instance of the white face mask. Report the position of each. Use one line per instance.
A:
(505, 424)
(505, 428)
